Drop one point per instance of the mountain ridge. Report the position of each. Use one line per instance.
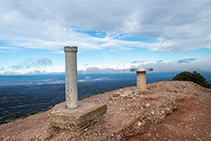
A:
(129, 113)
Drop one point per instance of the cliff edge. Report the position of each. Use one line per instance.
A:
(129, 113)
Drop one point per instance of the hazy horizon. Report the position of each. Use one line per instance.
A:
(59, 78)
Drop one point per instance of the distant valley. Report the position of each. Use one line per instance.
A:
(21, 95)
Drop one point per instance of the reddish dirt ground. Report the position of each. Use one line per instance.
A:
(190, 121)
(132, 115)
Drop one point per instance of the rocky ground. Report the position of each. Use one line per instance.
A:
(191, 121)
(132, 115)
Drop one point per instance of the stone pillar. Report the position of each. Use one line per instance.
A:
(68, 115)
(141, 80)
(141, 77)
(71, 83)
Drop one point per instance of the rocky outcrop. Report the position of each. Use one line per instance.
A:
(128, 112)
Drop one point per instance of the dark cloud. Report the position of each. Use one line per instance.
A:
(32, 63)
(43, 62)
(135, 62)
(188, 60)
(159, 61)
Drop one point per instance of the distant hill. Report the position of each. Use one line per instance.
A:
(194, 77)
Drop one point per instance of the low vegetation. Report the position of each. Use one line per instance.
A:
(194, 77)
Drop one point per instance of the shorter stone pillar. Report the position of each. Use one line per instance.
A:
(141, 77)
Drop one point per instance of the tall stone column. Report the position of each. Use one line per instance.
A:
(71, 83)
(68, 115)
(141, 80)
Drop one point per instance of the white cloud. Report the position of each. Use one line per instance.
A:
(1, 68)
(193, 64)
(31, 67)
(199, 64)
(96, 70)
(43, 24)
(187, 64)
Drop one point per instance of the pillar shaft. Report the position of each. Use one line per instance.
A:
(71, 83)
(141, 80)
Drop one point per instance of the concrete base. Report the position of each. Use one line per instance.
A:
(78, 118)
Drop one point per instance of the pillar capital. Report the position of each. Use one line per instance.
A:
(70, 49)
(141, 69)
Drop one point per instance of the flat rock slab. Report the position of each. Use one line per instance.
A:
(78, 118)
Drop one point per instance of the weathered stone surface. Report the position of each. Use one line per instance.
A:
(141, 80)
(71, 85)
(141, 77)
(76, 119)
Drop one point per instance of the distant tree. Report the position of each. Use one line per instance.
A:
(194, 77)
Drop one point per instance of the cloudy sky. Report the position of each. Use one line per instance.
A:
(112, 36)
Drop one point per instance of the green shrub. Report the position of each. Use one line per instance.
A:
(194, 77)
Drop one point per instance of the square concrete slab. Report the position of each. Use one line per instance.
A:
(78, 118)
